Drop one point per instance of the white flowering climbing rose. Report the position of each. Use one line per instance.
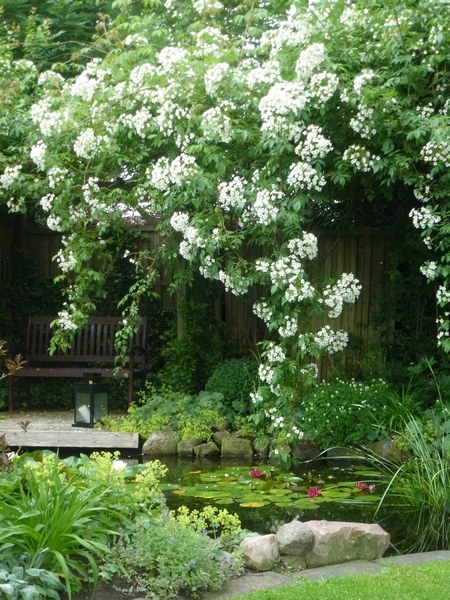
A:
(233, 128)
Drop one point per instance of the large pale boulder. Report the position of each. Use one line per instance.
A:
(236, 447)
(338, 542)
(260, 551)
(160, 443)
(295, 538)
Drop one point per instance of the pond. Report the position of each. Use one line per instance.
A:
(264, 497)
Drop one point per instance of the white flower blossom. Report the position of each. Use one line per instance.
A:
(9, 176)
(37, 154)
(214, 76)
(424, 218)
(302, 176)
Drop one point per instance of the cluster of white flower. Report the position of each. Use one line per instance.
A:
(50, 78)
(46, 202)
(289, 328)
(361, 122)
(429, 269)
(178, 172)
(305, 247)
(139, 74)
(360, 158)
(275, 353)
(426, 111)
(235, 284)
(322, 87)
(210, 41)
(214, 76)
(207, 7)
(209, 263)
(139, 121)
(442, 295)
(9, 176)
(315, 145)
(423, 217)
(65, 318)
(360, 81)
(232, 193)
(171, 57)
(169, 113)
(216, 125)
(287, 97)
(66, 260)
(292, 33)
(256, 397)
(346, 289)
(309, 59)
(90, 191)
(311, 370)
(37, 154)
(300, 290)
(266, 373)
(179, 221)
(135, 39)
(54, 222)
(48, 121)
(263, 210)
(302, 176)
(437, 152)
(283, 271)
(88, 144)
(56, 175)
(443, 327)
(423, 194)
(16, 204)
(331, 341)
(266, 74)
(262, 310)
(86, 84)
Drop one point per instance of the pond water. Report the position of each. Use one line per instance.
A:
(264, 497)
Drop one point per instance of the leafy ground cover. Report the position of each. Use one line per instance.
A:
(425, 582)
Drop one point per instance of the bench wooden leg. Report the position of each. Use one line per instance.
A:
(10, 394)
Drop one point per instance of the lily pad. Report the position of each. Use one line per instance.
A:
(258, 504)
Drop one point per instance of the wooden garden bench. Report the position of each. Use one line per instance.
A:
(93, 351)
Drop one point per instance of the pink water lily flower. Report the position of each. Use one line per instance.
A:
(371, 489)
(361, 485)
(256, 473)
(313, 492)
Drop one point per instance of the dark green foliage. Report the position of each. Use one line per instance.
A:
(235, 378)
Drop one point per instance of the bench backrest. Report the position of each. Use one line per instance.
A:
(92, 343)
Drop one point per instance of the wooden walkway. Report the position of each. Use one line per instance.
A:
(53, 429)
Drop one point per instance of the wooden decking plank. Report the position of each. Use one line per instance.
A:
(76, 438)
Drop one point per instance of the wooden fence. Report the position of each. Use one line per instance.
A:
(365, 254)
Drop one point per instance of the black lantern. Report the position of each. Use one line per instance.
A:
(91, 401)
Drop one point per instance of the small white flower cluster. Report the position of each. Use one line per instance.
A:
(289, 328)
(275, 353)
(262, 310)
(88, 144)
(423, 217)
(264, 210)
(283, 271)
(235, 284)
(331, 341)
(361, 122)
(86, 84)
(171, 57)
(216, 125)
(305, 247)
(287, 97)
(169, 113)
(205, 269)
(65, 318)
(139, 74)
(54, 222)
(90, 191)
(135, 39)
(256, 397)
(315, 145)
(179, 221)
(46, 202)
(360, 158)
(50, 78)
(37, 154)
(422, 194)
(207, 7)
(9, 176)
(266, 373)
(442, 295)
(443, 327)
(292, 33)
(16, 204)
(346, 289)
(232, 193)
(437, 153)
(302, 176)
(322, 87)
(139, 121)
(309, 59)
(299, 290)
(192, 240)
(429, 269)
(360, 81)
(426, 111)
(66, 260)
(178, 172)
(214, 76)
(56, 175)
(209, 42)
(266, 74)
(311, 370)
(48, 120)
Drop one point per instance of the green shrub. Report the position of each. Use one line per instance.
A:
(19, 580)
(165, 559)
(235, 378)
(344, 413)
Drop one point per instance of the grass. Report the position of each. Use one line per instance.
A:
(424, 582)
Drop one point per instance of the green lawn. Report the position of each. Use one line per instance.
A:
(425, 582)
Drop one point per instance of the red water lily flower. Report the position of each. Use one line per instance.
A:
(256, 473)
(313, 492)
